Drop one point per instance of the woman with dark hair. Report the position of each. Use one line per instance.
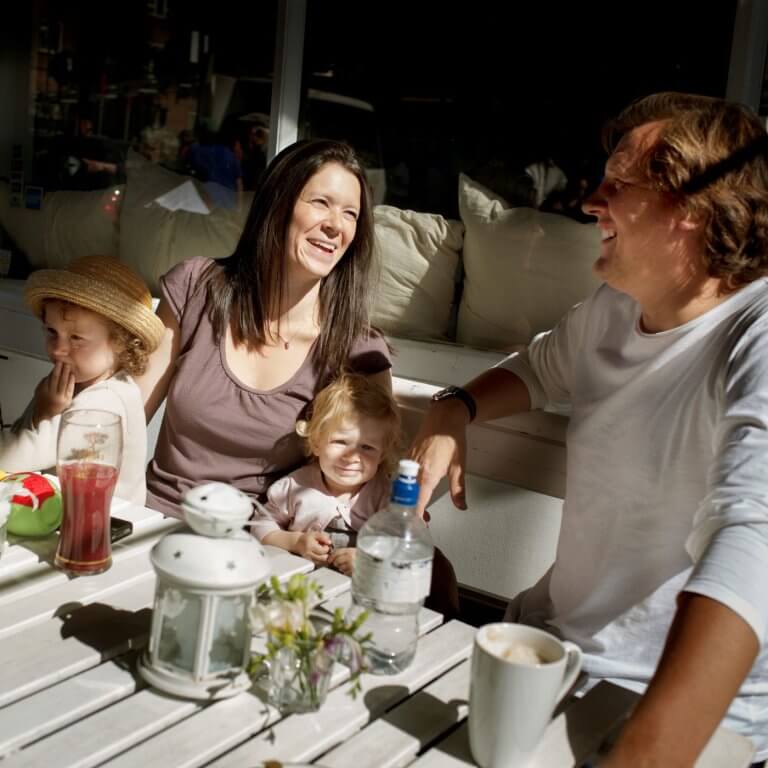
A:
(252, 338)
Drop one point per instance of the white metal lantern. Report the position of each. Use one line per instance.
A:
(200, 640)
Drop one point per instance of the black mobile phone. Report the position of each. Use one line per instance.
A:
(119, 528)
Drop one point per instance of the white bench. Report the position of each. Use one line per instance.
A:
(507, 538)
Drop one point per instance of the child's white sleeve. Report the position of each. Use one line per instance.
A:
(29, 449)
(276, 514)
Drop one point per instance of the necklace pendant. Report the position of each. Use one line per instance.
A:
(286, 344)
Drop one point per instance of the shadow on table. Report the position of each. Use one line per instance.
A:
(421, 710)
(594, 722)
(110, 631)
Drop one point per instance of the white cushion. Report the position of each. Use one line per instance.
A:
(523, 269)
(153, 238)
(417, 256)
(69, 224)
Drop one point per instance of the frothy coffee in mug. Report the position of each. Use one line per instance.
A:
(496, 642)
(518, 675)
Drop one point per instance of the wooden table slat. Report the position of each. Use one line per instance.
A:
(396, 738)
(284, 564)
(451, 752)
(304, 737)
(727, 748)
(39, 656)
(89, 691)
(331, 582)
(210, 731)
(28, 557)
(44, 599)
(94, 739)
(578, 732)
(97, 738)
(214, 729)
(67, 702)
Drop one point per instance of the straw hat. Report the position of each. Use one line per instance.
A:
(103, 285)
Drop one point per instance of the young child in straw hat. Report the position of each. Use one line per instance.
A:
(100, 329)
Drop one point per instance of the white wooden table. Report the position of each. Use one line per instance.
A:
(70, 696)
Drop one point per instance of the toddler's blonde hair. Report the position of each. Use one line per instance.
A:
(350, 396)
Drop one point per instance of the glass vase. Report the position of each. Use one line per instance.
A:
(298, 679)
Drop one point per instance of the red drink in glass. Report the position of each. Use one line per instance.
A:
(84, 540)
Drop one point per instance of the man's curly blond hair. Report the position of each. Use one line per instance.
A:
(711, 155)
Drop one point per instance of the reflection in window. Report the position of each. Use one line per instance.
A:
(110, 78)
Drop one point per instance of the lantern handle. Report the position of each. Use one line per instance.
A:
(261, 509)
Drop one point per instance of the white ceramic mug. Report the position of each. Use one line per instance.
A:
(511, 702)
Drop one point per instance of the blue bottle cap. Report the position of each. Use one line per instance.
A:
(405, 490)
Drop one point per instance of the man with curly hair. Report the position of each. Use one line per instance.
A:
(662, 563)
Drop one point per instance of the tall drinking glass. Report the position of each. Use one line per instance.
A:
(89, 451)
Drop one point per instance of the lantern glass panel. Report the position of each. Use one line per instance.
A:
(181, 613)
(231, 633)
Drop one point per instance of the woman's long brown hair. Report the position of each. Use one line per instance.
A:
(244, 290)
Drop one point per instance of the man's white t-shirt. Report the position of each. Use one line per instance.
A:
(667, 482)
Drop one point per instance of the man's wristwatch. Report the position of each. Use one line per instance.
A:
(459, 394)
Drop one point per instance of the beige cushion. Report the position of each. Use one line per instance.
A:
(69, 224)
(153, 238)
(80, 224)
(417, 257)
(523, 269)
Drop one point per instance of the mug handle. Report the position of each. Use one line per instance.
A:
(572, 667)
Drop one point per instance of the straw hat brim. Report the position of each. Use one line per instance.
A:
(99, 297)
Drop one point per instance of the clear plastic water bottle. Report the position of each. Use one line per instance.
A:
(392, 574)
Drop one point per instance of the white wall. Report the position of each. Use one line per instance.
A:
(507, 538)
(504, 541)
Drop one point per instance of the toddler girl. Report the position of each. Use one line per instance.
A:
(100, 330)
(353, 436)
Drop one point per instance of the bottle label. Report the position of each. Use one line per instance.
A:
(391, 581)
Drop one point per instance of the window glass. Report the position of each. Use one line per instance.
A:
(166, 105)
(489, 115)
(101, 81)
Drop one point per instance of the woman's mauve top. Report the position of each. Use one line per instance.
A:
(215, 427)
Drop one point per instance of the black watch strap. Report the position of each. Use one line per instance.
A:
(460, 394)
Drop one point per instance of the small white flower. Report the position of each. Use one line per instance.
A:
(287, 616)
